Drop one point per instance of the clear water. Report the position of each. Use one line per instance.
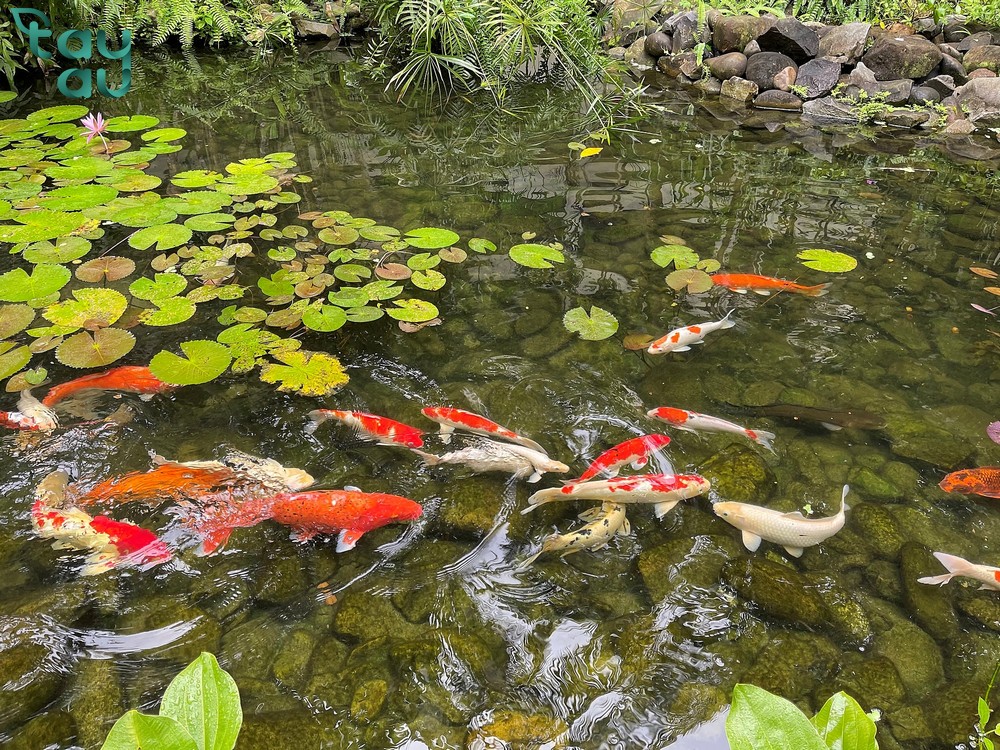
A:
(429, 635)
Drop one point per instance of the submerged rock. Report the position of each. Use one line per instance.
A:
(266, 731)
(779, 591)
(291, 665)
(682, 563)
(739, 473)
(27, 666)
(515, 730)
(471, 507)
(914, 654)
(52, 729)
(871, 681)
(96, 701)
(912, 437)
(367, 617)
(931, 606)
(878, 528)
(793, 663)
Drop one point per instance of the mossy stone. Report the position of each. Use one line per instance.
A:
(950, 711)
(915, 655)
(873, 486)
(366, 617)
(723, 388)
(250, 647)
(369, 699)
(205, 632)
(878, 528)
(883, 577)
(931, 606)
(914, 438)
(694, 704)
(847, 616)
(282, 580)
(25, 664)
(546, 342)
(64, 603)
(291, 665)
(909, 725)
(763, 393)
(779, 591)
(871, 681)
(800, 397)
(514, 730)
(470, 507)
(96, 701)
(52, 729)
(682, 563)
(792, 663)
(902, 476)
(267, 731)
(538, 311)
(982, 606)
(738, 473)
(972, 657)
(930, 526)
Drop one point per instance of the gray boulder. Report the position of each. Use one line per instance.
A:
(924, 95)
(986, 57)
(791, 37)
(844, 44)
(733, 33)
(657, 44)
(980, 39)
(740, 89)
(980, 98)
(902, 57)
(818, 77)
(829, 110)
(637, 56)
(764, 66)
(730, 65)
(780, 100)
(952, 67)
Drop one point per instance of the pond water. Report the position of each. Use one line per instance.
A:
(429, 634)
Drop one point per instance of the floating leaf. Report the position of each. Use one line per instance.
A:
(247, 184)
(377, 233)
(431, 238)
(144, 216)
(635, 342)
(325, 318)
(364, 314)
(599, 325)
(98, 349)
(26, 379)
(430, 280)
(827, 261)
(992, 290)
(986, 273)
(275, 286)
(19, 286)
(414, 327)
(694, 280)
(165, 237)
(528, 235)
(161, 286)
(843, 724)
(65, 250)
(592, 151)
(304, 372)
(348, 296)
(108, 268)
(479, 245)
(131, 181)
(164, 135)
(412, 310)
(282, 254)
(352, 272)
(393, 271)
(171, 311)
(423, 261)
(757, 719)
(535, 256)
(210, 222)
(679, 255)
(382, 290)
(249, 315)
(14, 360)
(61, 113)
(196, 178)
(89, 308)
(78, 197)
(338, 235)
(84, 169)
(453, 254)
(131, 123)
(41, 225)
(15, 318)
(202, 361)
(709, 265)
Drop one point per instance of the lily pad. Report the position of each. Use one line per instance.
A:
(827, 261)
(196, 178)
(84, 169)
(161, 286)
(709, 265)
(479, 245)
(364, 314)
(14, 360)
(131, 181)
(164, 135)
(41, 225)
(393, 271)
(108, 268)
(64, 250)
(453, 254)
(78, 197)
(599, 325)
(15, 318)
(379, 233)
(349, 296)
(89, 308)
(338, 235)
(26, 379)
(423, 261)
(382, 290)
(635, 342)
(305, 372)
(131, 123)
(172, 310)
(535, 256)
(413, 310)
(352, 272)
(692, 279)
(325, 318)
(44, 279)
(210, 222)
(61, 113)
(144, 216)
(202, 361)
(247, 184)
(164, 237)
(431, 238)
(430, 280)
(679, 255)
(95, 349)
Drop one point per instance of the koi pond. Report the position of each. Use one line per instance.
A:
(434, 633)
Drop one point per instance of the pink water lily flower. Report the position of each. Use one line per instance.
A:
(95, 126)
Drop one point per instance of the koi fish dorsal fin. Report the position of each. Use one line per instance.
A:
(347, 539)
(796, 514)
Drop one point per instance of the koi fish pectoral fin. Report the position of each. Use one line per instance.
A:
(445, 433)
(661, 509)
(762, 292)
(347, 539)
(534, 477)
(832, 427)
(682, 349)
(625, 529)
(637, 464)
(302, 535)
(940, 580)
(794, 551)
(751, 541)
(213, 542)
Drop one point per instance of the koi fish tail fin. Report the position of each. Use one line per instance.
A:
(213, 542)
(940, 580)
(316, 418)
(956, 566)
(542, 497)
(764, 438)
(528, 561)
(843, 499)
(726, 321)
(817, 291)
(429, 458)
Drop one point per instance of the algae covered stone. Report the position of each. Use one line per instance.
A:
(515, 730)
(931, 605)
(779, 591)
(684, 563)
(738, 473)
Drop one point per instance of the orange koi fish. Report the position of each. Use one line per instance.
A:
(635, 452)
(743, 282)
(128, 379)
(452, 419)
(347, 513)
(692, 421)
(31, 414)
(983, 481)
(383, 430)
(168, 481)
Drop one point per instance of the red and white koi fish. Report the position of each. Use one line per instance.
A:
(743, 282)
(489, 455)
(127, 379)
(348, 513)
(110, 543)
(452, 419)
(987, 575)
(606, 521)
(663, 490)
(31, 414)
(692, 421)
(682, 339)
(383, 430)
(635, 452)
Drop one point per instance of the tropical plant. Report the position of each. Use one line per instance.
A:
(200, 710)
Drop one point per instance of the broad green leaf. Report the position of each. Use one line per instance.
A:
(41, 225)
(282, 254)
(982, 708)
(453, 255)
(695, 281)
(84, 168)
(18, 157)
(61, 113)
(15, 318)
(479, 245)
(136, 731)
(286, 198)
(202, 361)
(338, 235)
(247, 184)
(171, 311)
(379, 291)
(165, 237)
(63, 251)
(325, 318)
(89, 308)
(131, 181)
(709, 265)
(430, 280)
(101, 348)
(6, 96)
(827, 261)
(273, 287)
(44, 279)
(164, 135)
(413, 311)
(131, 123)
(843, 724)
(249, 315)
(144, 216)
(364, 314)
(431, 238)
(210, 222)
(205, 701)
(600, 324)
(348, 296)
(196, 178)
(14, 360)
(304, 372)
(423, 261)
(759, 720)
(535, 256)
(77, 197)
(161, 286)
(378, 233)
(26, 379)
(352, 272)
(108, 268)
(679, 255)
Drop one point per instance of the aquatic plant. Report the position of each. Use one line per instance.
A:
(827, 261)
(200, 710)
(598, 325)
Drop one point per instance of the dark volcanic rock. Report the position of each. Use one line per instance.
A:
(733, 33)
(763, 67)
(730, 65)
(952, 67)
(902, 57)
(943, 84)
(829, 109)
(657, 44)
(924, 95)
(983, 57)
(844, 44)
(904, 118)
(980, 98)
(791, 37)
(980, 39)
(781, 100)
(739, 89)
(671, 64)
(818, 77)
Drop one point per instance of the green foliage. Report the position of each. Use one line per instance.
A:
(827, 261)
(985, 713)
(598, 325)
(200, 710)
(759, 720)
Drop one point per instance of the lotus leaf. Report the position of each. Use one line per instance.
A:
(108, 268)
(382, 290)
(348, 253)
(171, 310)
(324, 318)
(65, 250)
(423, 261)
(412, 310)
(196, 178)
(536, 256)
(89, 308)
(98, 349)
(479, 245)
(431, 238)
(210, 222)
(62, 113)
(348, 296)
(359, 222)
(827, 261)
(305, 372)
(694, 280)
(249, 166)
(165, 237)
(377, 233)
(164, 135)
(599, 325)
(680, 255)
(132, 181)
(247, 184)
(45, 279)
(453, 255)
(202, 361)
(15, 318)
(162, 286)
(77, 197)
(199, 202)
(364, 314)
(144, 216)
(339, 235)
(130, 124)
(430, 280)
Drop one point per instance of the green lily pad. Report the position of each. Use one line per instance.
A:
(249, 315)
(338, 235)
(18, 157)
(413, 310)
(98, 349)
(379, 291)
(325, 318)
(41, 225)
(692, 279)
(172, 310)
(430, 280)
(282, 254)
(89, 308)
(165, 237)
(6, 96)
(210, 222)
(378, 233)
(65, 250)
(198, 202)
(164, 135)
(423, 261)
(352, 272)
(287, 198)
(249, 166)
(84, 169)
(14, 361)
(44, 279)
(62, 113)
(132, 123)
(26, 379)
(202, 361)
(132, 181)
(15, 318)
(77, 197)
(828, 261)
(453, 255)
(709, 265)
(144, 216)
(364, 314)
(161, 286)
(247, 184)
(599, 325)
(349, 296)
(431, 238)
(479, 245)
(680, 255)
(304, 372)
(196, 178)
(273, 287)
(19, 191)
(108, 268)
(536, 256)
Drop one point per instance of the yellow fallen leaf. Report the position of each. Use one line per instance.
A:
(592, 151)
(986, 273)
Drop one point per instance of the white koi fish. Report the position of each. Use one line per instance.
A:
(692, 421)
(605, 522)
(32, 414)
(793, 531)
(682, 339)
(663, 490)
(489, 455)
(267, 471)
(987, 575)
